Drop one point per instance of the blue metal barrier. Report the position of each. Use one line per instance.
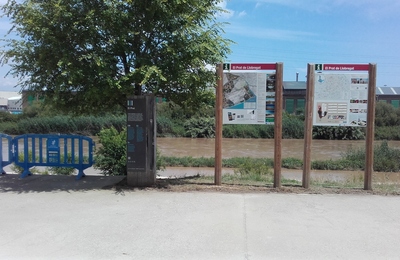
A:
(53, 151)
(8, 150)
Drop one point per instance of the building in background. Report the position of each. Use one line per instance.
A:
(15, 105)
(12, 99)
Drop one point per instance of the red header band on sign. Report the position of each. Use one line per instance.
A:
(253, 66)
(346, 67)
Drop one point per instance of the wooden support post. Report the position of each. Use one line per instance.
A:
(369, 140)
(218, 126)
(278, 124)
(308, 125)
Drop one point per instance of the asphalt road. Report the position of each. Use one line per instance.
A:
(56, 217)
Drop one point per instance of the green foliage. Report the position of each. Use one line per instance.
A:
(200, 127)
(89, 56)
(248, 131)
(300, 113)
(292, 163)
(386, 115)
(51, 170)
(39, 109)
(171, 111)
(292, 127)
(386, 159)
(110, 158)
(63, 170)
(6, 117)
(164, 126)
(174, 120)
(387, 133)
(254, 167)
(327, 165)
(338, 133)
(85, 125)
(21, 158)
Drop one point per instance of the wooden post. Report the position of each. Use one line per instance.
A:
(218, 126)
(278, 124)
(369, 145)
(308, 125)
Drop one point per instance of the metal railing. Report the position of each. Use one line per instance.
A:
(72, 151)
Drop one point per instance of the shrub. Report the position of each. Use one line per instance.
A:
(292, 163)
(386, 115)
(257, 167)
(292, 127)
(63, 170)
(386, 159)
(164, 126)
(338, 133)
(387, 133)
(200, 127)
(111, 156)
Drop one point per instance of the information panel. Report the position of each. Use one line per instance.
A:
(249, 97)
(340, 99)
(136, 131)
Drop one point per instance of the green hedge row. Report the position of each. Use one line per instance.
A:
(194, 127)
(85, 125)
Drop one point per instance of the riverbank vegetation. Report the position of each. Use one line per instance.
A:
(177, 121)
(386, 159)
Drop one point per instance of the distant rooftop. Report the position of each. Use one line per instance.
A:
(301, 85)
(294, 85)
(388, 90)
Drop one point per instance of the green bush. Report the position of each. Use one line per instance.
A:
(164, 126)
(338, 133)
(327, 165)
(248, 131)
(85, 125)
(386, 159)
(387, 133)
(200, 127)
(7, 117)
(63, 170)
(292, 163)
(257, 167)
(53, 170)
(21, 158)
(386, 115)
(110, 158)
(292, 127)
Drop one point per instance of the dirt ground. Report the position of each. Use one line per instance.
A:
(191, 185)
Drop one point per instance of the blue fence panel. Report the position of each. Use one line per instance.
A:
(6, 149)
(73, 151)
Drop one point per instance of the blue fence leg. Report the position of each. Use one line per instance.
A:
(1, 167)
(80, 175)
(25, 173)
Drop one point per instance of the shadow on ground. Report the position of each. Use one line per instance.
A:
(51, 183)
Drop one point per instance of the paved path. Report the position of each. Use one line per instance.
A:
(56, 217)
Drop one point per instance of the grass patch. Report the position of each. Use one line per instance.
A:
(386, 159)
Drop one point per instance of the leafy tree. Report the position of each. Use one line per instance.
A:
(88, 56)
